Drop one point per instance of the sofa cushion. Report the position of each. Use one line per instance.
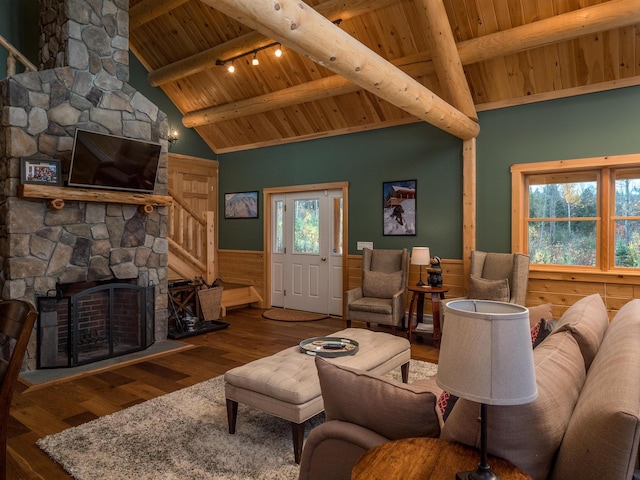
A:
(381, 284)
(528, 435)
(602, 437)
(390, 408)
(587, 320)
(540, 331)
(483, 289)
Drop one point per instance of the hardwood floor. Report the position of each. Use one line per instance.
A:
(41, 410)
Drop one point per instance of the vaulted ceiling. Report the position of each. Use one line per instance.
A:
(353, 65)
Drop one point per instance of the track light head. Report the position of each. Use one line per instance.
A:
(279, 51)
(255, 60)
(231, 68)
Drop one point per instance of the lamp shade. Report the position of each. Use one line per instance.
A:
(486, 354)
(420, 256)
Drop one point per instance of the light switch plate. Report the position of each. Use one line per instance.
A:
(361, 245)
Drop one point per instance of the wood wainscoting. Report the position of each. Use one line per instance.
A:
(560, 289)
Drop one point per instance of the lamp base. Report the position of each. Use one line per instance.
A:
(480, 473)
(420, 284)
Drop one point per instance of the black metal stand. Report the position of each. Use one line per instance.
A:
(483, 472)
(421, 283)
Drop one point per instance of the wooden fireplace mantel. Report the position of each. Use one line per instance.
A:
(57, 196)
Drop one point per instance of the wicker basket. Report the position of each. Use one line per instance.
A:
(210, 302)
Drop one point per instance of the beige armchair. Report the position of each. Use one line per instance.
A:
(382, 298)
(489, 271)
(496, 276)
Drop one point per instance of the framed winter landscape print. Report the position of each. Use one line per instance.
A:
(241, 205)
(399, 207)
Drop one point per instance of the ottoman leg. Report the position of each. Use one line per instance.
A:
(232, 415)
(297, 429)
(405, 372)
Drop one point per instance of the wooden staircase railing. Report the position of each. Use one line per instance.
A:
(14, 55)
(191, 239)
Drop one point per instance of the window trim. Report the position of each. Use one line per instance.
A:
(519, 207)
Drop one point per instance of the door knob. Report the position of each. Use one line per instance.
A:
(324, 259)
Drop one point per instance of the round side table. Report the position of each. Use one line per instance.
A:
(426, 459)
(417, 306)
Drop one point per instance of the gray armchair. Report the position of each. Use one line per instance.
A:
(496, 276)
(494, 268)
(382, 298)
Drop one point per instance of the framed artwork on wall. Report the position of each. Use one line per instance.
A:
(399, 207)
(40, 171)
(241, 205)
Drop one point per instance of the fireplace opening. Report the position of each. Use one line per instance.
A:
(83, 325)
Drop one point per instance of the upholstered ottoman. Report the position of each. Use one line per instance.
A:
(286, 384)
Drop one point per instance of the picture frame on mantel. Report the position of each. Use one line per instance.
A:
(241, 205)
(40, 171)
(399, 207)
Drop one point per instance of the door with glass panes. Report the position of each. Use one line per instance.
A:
(306, 258)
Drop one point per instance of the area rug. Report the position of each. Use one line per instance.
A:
(289, 315)
(183, 436)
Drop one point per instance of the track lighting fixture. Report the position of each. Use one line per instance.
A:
(254, 52)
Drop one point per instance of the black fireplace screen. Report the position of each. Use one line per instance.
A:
(95, 324)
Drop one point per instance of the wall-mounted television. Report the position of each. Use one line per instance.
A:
(111, 162)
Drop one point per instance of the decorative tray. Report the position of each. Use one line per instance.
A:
(329, 346)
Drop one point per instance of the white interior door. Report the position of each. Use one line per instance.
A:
(306, 259)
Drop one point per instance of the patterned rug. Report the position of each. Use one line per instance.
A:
(288, 315)
(183, 435)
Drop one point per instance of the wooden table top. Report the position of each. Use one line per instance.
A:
(426, 459)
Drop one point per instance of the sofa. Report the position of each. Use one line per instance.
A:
(585, 423)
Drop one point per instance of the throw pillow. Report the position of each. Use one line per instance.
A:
(392, 409)
(381, 284)
(483, 289)
(529, 435)
(540, 311)
(587, 320)
(540, 331)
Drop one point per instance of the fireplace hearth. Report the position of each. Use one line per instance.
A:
(95, 323)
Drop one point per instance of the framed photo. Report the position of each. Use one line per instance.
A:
(40, 171)
(399, 207)
(241, 205)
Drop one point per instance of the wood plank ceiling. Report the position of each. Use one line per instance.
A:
(511, 51)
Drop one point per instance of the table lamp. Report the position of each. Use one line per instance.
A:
(420, 256)
(486, 357)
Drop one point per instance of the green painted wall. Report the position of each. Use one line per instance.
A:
(598, 124)
(365, 160)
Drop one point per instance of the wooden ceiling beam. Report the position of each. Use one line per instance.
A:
(445, 56)
(305, 31)
(601, 17)
(306, 92)
(147, 10)
(331, 9)
(585, 21)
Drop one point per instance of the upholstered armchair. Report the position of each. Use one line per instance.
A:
(382, 298)
(503, 277)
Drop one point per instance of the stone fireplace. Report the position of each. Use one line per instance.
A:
(82, 83)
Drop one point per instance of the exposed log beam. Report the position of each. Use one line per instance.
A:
(147, 10)
(304, 30)
(596, 18)
(445, 56)
(601, 17)
(307, 92)
(332, 9)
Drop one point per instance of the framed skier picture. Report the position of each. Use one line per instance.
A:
(399, 207)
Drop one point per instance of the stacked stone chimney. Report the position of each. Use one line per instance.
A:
(82, 84)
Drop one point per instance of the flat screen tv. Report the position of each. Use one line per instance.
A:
(111, 162)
